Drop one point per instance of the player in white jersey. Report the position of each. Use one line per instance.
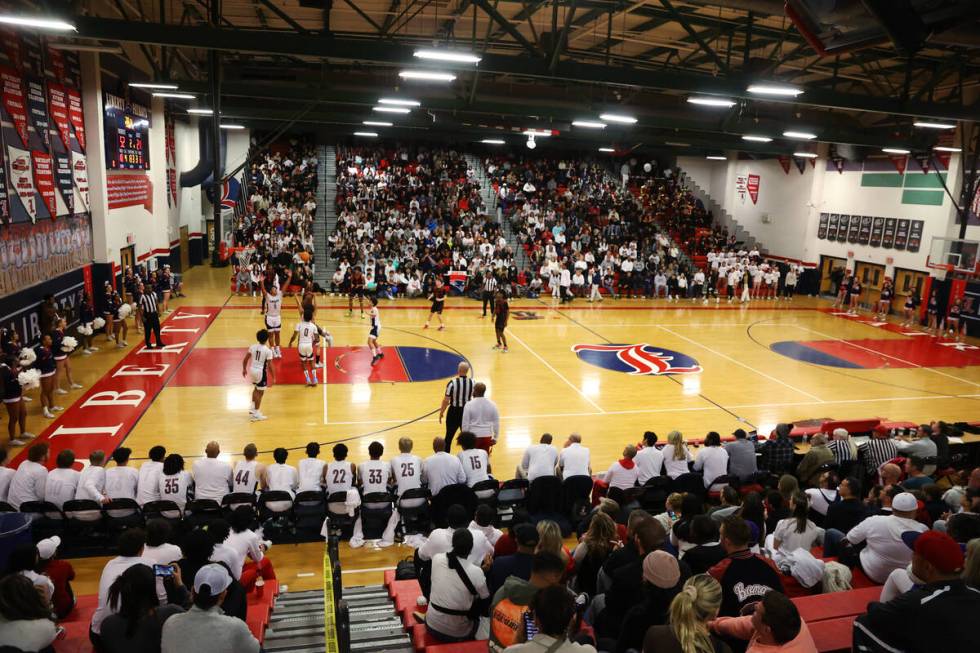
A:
(311, 469)
(406, 467)
(280, 477)
(475, 462)
(339, 475)
(375, 332)
(245, 475)
(272, 309)
(374, 474)
(255, 366)
(306, 332)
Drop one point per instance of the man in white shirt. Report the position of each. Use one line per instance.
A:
(481, 418)
(440, 540)
(6, 474)
(62, 481)
(91, 482)
(886, 550)
(452, 595)
(475, 462)
(158, 551)
(121, 481)
(623, 473)
(28, 481)
(649, 460)
(148, 486)
(539, 460)
(279, 475)
(441, 468)
(574, 458)
(130, 545)
(311, 469)
(212, 477)
(406, 467)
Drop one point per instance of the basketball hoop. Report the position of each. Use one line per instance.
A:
(244, 256)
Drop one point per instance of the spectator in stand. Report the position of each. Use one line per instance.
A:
(148, 487)
(809, 469)
(481, 418)
(518, 563)
(159, 551)
(23, 559)
(251, 563)
(779, 450)
(539, 460)
(61, 574)
(511, 603)
(554, 611)
(878, 450)
(483, 522)
(592, 551)
(662, 580)
(921, 445)
(458, 589)
(731, 502)
(941, 612)
(574, 459)
(6, 474)
(25, 618)
(130, 545)
(138, 615)
(649, 460)
(774, 625)
(847, 512)
(626, 582)
(822, 497)
(741, 455)
(212, 477)
(890, 474)
(744, 576)
(916, 478)
(121, 481)
(204, 622)
(691, 612)
(712, 460)
(28, 481)
(676, 455)
(623, 473)
(796, 531)
(441, 468)
(843, 447)
(707, 550)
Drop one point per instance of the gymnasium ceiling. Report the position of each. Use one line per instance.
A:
(868, 68)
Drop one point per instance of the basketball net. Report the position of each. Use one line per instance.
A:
(244, 256)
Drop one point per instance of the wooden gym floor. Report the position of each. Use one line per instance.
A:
(831, 366)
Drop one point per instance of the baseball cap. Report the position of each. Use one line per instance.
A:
(905, 502)
(939, 549)
(526, 534)
(47, 547)
(214, 576)
(661, 569)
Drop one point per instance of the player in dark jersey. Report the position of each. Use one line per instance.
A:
(438, 298)
(884, 306)
(501, 314)
(356, 290)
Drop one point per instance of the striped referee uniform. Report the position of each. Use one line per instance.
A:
(489, 288)
(876, 452)
(151, 316)
(458, 391)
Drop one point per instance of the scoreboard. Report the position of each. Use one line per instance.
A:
(127, 131)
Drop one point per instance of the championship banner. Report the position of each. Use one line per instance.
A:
(73, 69)
(57, 61)
(58, 109)
(79, 172)
(171, 147)
(752, 185)
(75, 115)
(129, 190)
(44, 181)
(37, 107)
(12, 47)
(64, 182)
(33, 54)
(22, 179)
(13, 102)
(4, 201)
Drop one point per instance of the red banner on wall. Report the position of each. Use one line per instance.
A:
(900, 161)
(13, 101)
(784, 162)
(76, 115)
(752, 185)
(44, 181)
(58, 108)
(57, 62)
(12, 47)
(129, 190)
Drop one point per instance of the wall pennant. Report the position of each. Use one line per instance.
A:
(900, 161)
(784, 161)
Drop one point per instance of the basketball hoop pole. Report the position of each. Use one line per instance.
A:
(323, 357)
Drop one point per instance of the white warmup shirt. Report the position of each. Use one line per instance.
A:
(245, 476)
(621, 476)
(574, 460)
(480, 417)
(442, 469)
(885, 551)
(310, 474)
(475, 463)
(121, 482)
(174, 487)
(407, 470)
(6, 474)
(27, 483)
(712, 462)
(539, 460)
(374, 475)
(212, 479)
(649, 461)
(340, 478)
(282, 477)
(148, 487)
(91, 484)
(61, 486)
(450, 592)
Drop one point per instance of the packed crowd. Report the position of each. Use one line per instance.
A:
(278, 221)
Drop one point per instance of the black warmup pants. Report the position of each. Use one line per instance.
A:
(487, 301)
(454, 421)
(151, 322)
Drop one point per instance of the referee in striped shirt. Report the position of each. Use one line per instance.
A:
(489, 290)
(458, 392)
(151, 315)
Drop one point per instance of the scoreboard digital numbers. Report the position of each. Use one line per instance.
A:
(127, 131)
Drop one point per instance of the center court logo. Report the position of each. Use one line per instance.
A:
(639, 360)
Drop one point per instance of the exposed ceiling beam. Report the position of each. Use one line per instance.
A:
(489, 10)
(283, 16)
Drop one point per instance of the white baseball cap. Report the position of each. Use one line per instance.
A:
(214, 576)
(905, 502)
(47, 547)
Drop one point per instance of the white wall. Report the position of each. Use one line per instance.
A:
(188, 152)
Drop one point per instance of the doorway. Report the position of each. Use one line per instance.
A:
(127, 259)
(909, 283)
(185, 249)
(828, 278)
(871, 276)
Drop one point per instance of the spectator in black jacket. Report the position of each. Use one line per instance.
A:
(940, 614)
(707, 551)
(845, 514)
(626, 589)
(663, 577)
(626, 554)
(744, 576)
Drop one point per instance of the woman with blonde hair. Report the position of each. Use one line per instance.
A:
(549, 541)
(676, 455)
(690, 612)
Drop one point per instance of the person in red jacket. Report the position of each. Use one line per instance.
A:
(61, 574)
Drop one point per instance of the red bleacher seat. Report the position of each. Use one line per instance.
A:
(256, 623)
(481, 646)
(822, 607)
(851, 425)
(422, 639)
(389, 577)
(404, 588)
(832, 635)
(76, 626)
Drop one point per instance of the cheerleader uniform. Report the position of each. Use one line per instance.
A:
(86, 315)
(108, 311)
(953, 317)
(12, 391)
(45, 362)
(57, 336)
(933, 307)
(910, 303)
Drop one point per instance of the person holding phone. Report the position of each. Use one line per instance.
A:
(137, 622)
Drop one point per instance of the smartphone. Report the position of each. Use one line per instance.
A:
(164, 571)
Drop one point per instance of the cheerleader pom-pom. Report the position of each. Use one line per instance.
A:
(68, 344)
(27, 356)
(98, 323)
(29, 379)
(124, 311)
(85, 329)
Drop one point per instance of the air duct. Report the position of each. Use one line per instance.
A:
(202, 172)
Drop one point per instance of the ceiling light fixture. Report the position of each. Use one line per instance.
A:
(157, 85)
(399, 102)
(376, 123)
(675, 144)
(711, 101)
(933, 125)
(946, 148)
(201, 112)
(805, 155)
(537, 132)
(779, 90)
(895, 150)
(589, 124)
(447, 55)
(617, 117)
(757, 139)
(606, 149)
(804, 136)
(231, 126)
(716, 157)
(175, 96)
(492, 141)
(426, 76)
(37, 22)
(391, 109)
(367, 134)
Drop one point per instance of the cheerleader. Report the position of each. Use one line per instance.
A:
(375, 332)
(46, 364)
(164, 288)
(86, 317)
(62, 362)
(119, 327)
(933, 311)
(884, 306)
(911, 304)
(108, 311)
(955, 325)
(854, 296)
(272, 309)
(13, 401)
(438, 299)
(842, 290)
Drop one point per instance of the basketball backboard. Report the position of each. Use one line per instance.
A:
(953, 254)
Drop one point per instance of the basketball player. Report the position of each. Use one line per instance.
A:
(884, 305)
(475, 462)
(372, 339)
(374, 476)
(272, 309)
(308, 299)
(911, 306)
(501, 314)
(933, 311)
(311, 469)
(438, 299)
(356, 290)
(955, 326)
(339, 475)
(307, 333)
(246, 474)
(406, 467)
(255, 366)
